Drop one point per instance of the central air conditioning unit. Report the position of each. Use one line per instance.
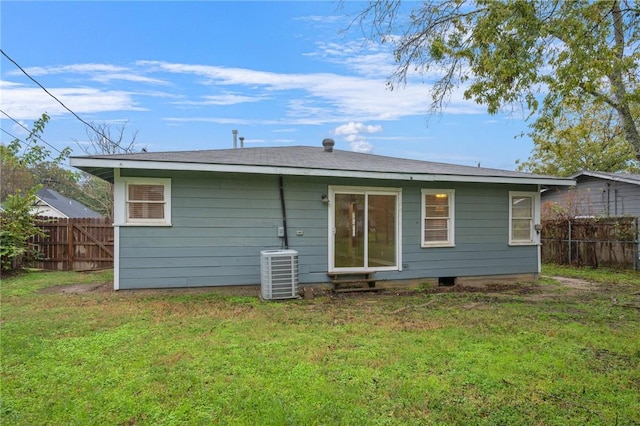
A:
(279, 274)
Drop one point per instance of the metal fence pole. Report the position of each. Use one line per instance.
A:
(635, 244)
(569, 223)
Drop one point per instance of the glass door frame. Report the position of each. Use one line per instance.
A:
(366, 191)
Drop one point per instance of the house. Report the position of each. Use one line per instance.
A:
(53, 204)
(202, 218)
(598, 194)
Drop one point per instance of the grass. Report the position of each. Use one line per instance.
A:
(541, 356)
(599, 275)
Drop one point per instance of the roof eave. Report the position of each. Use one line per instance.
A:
(103, 168)
(50, 206)
(605, 177)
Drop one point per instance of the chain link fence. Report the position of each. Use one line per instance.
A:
(611, 242)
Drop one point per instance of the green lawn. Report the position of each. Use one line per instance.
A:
(546, 355)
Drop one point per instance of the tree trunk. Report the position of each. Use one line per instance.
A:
(617, 82)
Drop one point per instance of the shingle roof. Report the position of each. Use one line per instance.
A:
(294, 160)
(66, 206)
(631, 178)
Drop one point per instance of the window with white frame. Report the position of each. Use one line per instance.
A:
(438, 218)
(522, 217)
(145, 201)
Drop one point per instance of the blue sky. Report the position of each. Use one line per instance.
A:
(185, 74)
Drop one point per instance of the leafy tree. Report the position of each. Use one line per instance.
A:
(17, 226)
(96, 194)
(520, 52)
(14, 175)
(574, 140)
(29, 162)
(24, 165)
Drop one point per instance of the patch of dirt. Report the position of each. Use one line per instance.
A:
(79, 288)
(576, 283)
(533, 292)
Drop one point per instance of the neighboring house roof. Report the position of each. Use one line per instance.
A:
(66, 206)
(305, 160)
(618, 177)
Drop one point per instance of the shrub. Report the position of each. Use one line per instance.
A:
(17, 226)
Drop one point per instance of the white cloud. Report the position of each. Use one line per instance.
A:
(71, 69)
(354, 133)
(329, 97)
(216, 120)
(224, 99)
(8, 84)
(102, 73)
(20, 129)
(25, 103)
(352, 128)
(364, 57)
(361, 146)
(308, 98)
(135, 78)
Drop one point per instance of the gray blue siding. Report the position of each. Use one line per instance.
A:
(593, 196)
(221, 222)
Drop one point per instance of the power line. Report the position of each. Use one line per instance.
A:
(59, 101)
(13, 136)
(27, 144)
(28, 130)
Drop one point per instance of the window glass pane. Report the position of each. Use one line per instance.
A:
(146, 211)
(381, 236)
(437, 205)
(436, 224)
(349, 237)
(435, 235)
(436, 230)
(522, 207)
(521, 229)
(146, 192)
(437, 211)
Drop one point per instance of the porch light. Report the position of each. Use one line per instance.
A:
(325, 199)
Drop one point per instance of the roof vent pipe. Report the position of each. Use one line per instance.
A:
(328, 144)
(235, 138)
(241, 141)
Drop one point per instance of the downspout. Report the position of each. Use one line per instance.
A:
(284, 212)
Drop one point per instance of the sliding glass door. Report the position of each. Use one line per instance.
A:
(364, 229)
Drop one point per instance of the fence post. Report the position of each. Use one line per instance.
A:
(635, 243)
(70, 244)
(569, 241)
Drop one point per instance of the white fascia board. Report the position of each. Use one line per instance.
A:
(303, 171)
(49, 206)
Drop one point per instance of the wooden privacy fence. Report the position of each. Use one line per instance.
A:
(74, 244)
(592, 242)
